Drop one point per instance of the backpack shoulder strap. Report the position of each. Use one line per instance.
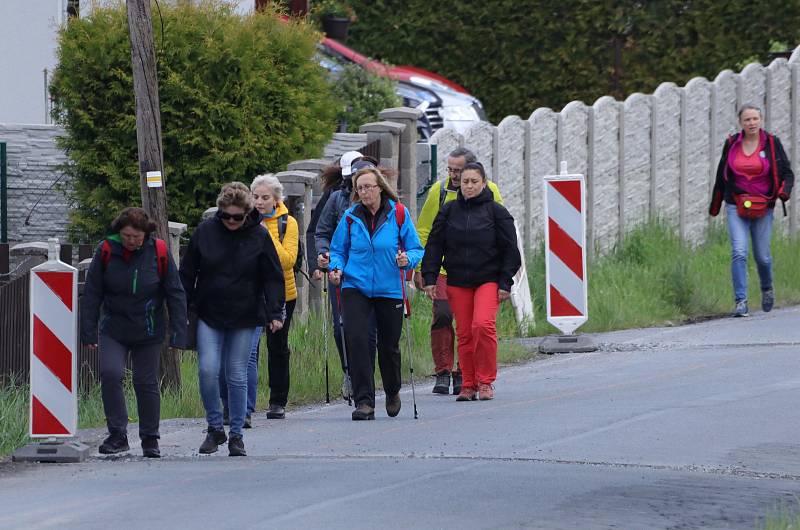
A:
(774, 163)
(728, 144)
(442, 191)
(400, 217)
(162, 259)
(282, 220)
(105, 253)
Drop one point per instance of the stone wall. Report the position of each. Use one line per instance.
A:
(653, 155)
(37, 203)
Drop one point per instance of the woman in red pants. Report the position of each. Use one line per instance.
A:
(476, 238)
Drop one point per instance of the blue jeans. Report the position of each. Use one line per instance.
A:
(252, 375)
(231, 347)
(760, 231)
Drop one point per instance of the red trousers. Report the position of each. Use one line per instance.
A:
(442, 335)
(475, 310)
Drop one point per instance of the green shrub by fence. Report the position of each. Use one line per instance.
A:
(239, 96)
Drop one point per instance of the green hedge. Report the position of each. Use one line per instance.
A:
(239, 96)
(517, 55)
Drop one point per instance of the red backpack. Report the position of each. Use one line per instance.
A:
(162, 259)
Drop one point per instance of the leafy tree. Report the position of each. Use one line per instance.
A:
(239, 96)
(361, 95)
(517, 55)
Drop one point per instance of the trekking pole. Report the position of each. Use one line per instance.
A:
(407, 318)
(325, 304)
(348, 383)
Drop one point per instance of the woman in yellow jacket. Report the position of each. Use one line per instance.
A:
(268, 199)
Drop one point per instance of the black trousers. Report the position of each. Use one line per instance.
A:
(278, 360)
(145, 360)
(389, 320)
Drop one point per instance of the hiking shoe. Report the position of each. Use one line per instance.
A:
(150, 447)
(456, 383)
(442, 385)
(347, 388)
(741, 309)
(213, 440)
(364, 412)
(248, 423)
(115, 443)
(276, 412)
(226, 417)
(236, 446)
(393, 405)
(767, 300)
(467, 394)
(486, 392)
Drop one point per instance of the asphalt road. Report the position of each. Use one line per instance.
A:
(684, 427)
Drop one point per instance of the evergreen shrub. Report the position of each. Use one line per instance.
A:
(239, 96)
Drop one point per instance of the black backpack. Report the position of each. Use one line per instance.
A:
(298, 263)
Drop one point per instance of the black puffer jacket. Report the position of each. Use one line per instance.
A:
(477, 240)
(233, 279)
(132, 297)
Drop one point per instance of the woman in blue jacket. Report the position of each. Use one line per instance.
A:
(374, 242)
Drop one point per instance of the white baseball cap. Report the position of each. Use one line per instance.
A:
(346, 161)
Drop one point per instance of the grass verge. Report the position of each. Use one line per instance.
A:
(783, 517)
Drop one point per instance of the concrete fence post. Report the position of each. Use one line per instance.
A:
(297, 194)
(176, 230)
(388, 133)
(407, 178)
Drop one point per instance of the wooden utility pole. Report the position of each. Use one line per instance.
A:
(148, 137)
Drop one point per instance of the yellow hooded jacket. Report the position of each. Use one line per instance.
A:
(287, 250)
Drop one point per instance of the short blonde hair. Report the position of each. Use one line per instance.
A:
(387, 191)
(235, 194)
(270, 181)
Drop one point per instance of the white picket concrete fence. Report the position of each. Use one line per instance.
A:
(650, 155)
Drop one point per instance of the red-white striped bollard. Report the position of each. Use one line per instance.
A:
(54, 345)
(53, 361)
(565, 247)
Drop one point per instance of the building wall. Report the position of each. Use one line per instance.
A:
(38, 207)
(28, 32)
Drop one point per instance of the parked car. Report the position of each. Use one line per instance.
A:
(444, 102)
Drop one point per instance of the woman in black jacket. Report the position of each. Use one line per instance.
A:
(234, 281)
(478, 241)
(130, 277)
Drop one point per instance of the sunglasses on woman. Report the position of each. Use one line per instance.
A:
(225, 216)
